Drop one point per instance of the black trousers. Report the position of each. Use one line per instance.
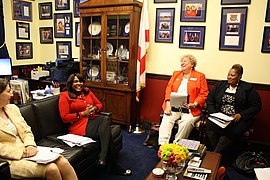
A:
(99, 128)
(221, 139)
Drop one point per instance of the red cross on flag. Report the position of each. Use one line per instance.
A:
(143, 45)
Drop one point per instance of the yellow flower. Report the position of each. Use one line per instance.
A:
(173, 153)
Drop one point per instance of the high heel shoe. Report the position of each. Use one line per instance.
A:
(122, 171)
(101, 163)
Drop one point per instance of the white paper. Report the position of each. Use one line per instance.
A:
(262, 173)
(177, 99)
(72, 139)
(45, 155)
(221, 116)
(231, 41)
(219, 123)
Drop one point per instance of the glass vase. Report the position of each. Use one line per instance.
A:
(172, 169)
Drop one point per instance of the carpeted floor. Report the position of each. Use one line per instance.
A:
(142, 159)
(134, 155)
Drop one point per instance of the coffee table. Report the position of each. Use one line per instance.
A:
(211, 160)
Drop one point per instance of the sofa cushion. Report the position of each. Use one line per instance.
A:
(47, 113)
(29, 116)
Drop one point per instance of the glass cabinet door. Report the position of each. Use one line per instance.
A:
(117, 50)
(91, 48)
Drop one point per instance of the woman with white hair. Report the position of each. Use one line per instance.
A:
(187, 81)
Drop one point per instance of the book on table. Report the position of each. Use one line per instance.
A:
(189, 143)
(45, 155)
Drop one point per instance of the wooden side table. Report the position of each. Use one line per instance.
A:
(211, 160)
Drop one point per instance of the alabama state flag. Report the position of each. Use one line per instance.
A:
(143, 45)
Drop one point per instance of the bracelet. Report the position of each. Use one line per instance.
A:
(78, 115)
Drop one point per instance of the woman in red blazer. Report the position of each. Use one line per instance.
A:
(187, 81)
(78, 107)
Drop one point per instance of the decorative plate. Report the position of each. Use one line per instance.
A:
(109, 49)
(93, 72)
(94, 28)
(127, 28)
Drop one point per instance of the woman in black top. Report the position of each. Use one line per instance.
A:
(235, 98)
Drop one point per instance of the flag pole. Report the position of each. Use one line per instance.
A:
(143, 45)
(138, 128)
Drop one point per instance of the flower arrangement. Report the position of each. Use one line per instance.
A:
(173, 153)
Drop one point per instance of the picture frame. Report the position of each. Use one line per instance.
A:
(23, 30)
(46, 35)
(192, 37)
(267, 15)
(76, 11)
(234, 2)
(165, 1)
(24, 50)
(233, 28)
(266, 40)
(164, 25)
(21, 10)
(45, 10)
(63, 49)
(63, 25)
(77, 34)
(193, 10)
(62, 4)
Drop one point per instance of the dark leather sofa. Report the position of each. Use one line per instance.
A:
(44, 118)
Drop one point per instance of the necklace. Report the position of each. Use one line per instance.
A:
(232, 88)
(186, 76)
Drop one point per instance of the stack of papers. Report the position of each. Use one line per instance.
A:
(75, 140)
(220, 119)
(45, 155)
(262, 173)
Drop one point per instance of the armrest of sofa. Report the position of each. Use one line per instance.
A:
(4, 170)
(105, 113)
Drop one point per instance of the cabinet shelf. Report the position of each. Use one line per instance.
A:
(118, 37)
(89, 37)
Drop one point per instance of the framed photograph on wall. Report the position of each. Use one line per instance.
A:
(193, 10)
(77, 34)
(46, 35)
(45, 10)
(267, 16)
(63, 25)
(76, 11)
(165, 1)
(63, 49)
(24, 50)
(232, 2)
(266, 40)
(164, 25)
(23, 30)
(232, 28)
(62, 4)
(21, 10)
(192, 37)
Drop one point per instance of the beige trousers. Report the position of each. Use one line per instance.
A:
(185, 122)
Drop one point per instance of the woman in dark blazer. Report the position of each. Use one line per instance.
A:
(235, 98)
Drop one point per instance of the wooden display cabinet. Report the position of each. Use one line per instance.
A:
(108, 54)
